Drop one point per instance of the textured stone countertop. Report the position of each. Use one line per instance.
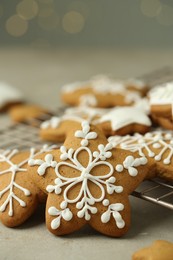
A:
(39, 74)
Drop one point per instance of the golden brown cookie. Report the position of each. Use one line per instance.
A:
(156, 146)
(23, 113)
(19, 196)
(88, 181)
(159, 250)
(103, 93)
(124, 120)
(120, 120)
(161, 105)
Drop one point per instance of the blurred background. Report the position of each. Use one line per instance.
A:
(83, 23)
(47, 43)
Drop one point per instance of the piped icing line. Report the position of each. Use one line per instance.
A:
(161, 141)
(122, 116)
(15, 169)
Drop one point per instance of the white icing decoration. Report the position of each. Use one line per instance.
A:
(71, 87)
(54, 122)
(113, 210)
(140, 143)
(84, 200)
(143, 104)
(123, 116)
(85, 133)
(66, 214)
(102, 85)
(89, 114)
(43, 164)
(88, 100)
(162, 95)
(130, 163)
(15, 169)
(8, 94)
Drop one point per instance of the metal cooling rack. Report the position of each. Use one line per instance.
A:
(24, 136)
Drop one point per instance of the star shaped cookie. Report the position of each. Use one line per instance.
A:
(88, 181)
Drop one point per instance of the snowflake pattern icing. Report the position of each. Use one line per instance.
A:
(160, 141)
(85, 201)
(14, 169)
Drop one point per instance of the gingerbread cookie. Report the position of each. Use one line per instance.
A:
(161, 105)
(120, 120)
(156, 146)
(159, 250)
(137, 85)
(88, 181)
(19, 196)
(124, 120)
(9, 96)
(24, 113)
(103, 93)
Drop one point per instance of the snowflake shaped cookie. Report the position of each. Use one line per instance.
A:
(84, 184)
(19, 196)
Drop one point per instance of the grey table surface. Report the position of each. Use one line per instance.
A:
(39, 74)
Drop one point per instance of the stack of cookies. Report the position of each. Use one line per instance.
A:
(109, 145)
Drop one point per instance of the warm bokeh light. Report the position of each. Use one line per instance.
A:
(16, 26)
(27, 9)
(151, 8)
(73, 22)
(80, 7)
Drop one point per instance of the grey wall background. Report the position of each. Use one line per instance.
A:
(77, 23)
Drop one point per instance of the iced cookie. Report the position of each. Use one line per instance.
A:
(121, 120)
(88, 181)
(103, 93)
(156, 146)
(9, 96)
(24, 113)
(19, 196)
(161, 105)
(159, 250)
(137, 85)
(124, 120)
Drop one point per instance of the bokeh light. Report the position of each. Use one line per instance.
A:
(27, 9)
(151, 8)
(80, 7)
(73, 22)
(16, 26)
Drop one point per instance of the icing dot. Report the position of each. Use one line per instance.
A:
(156, 145)
(151, 154)
(105, 202)
(166, 161)
(157, 157)
(119, 168)
(63, 205)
